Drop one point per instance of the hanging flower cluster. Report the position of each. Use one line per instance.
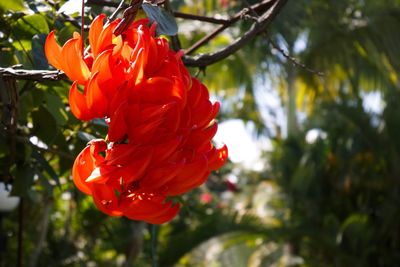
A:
(161, 121)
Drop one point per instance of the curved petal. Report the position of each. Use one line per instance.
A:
(136, 72)
(191, 175)
(164, 150)
(159, 90)
(149, 209)
(105, 38)
(169, 212)
(118, 126)
(120, 154)
(145, 132)
(102, 65)
(106, 199)
(217, 158)
(96, 100)
(75, 66)
(53, 51)
(77, 103)
(158, 176)
(136, 168)
(94, 32)
(82, 168)
(101, 174)
(201, 136)
(194, 94)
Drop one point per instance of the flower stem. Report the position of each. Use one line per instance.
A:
(154, 245)
(83, 27)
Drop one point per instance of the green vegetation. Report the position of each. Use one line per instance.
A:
(332, 200)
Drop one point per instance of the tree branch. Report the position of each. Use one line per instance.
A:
(33, 75)
(182, 15)
(263, 6)
(258, 27)
(128, 16)
(273, 7)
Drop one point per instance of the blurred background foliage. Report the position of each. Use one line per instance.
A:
(329, 190)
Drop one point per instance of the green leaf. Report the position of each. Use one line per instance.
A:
(56, 108)
(23, 180)
(166, 23)
(39, 59)
(25, 105)
(11, 5)
(22, 46)
(85, 136)
(26, 27)
(44, 125)
(38, 97)
(46, 166)
(65, 33)
(6, 57)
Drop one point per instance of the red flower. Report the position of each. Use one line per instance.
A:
(161, 121)
(112, 62)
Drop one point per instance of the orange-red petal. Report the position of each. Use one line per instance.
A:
(77, 103)
(82, 168)
(53, 51)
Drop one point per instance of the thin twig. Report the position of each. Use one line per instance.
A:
(83, 26)
(177, 14)
(202, 60)
(74, 22)
(264, 6)
(182, 15)
(113, 4)
(128, 16)
(50, 150)
(114, 15)
(103, 3)
(258, 27)
(295, 61)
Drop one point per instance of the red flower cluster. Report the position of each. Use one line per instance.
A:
(161, 121)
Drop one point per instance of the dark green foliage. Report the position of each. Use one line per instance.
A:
(342, 189)
(339, 196)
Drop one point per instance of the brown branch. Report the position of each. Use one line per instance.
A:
(33, 75)
(258, 27)
(103, 3)
(112, 3)
(294, 61)
(203, 60)
(74, 22)
(259, 7)
(128, 16)
(9, 100)
(176, 14)
(114, 15)
(83, 27)
(62, 154)
(182, 15)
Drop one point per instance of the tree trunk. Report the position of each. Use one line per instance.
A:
(43, 228)
(136, 244)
